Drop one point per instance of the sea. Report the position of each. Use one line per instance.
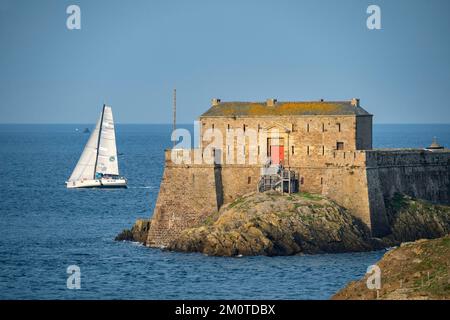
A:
(46, 229)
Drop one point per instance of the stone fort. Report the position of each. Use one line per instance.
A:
(326, 144)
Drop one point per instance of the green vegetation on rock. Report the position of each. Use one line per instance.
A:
(274, 224)
(418, 270)
(411, 219)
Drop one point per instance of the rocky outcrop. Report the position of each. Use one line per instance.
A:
(412, 219)
(418, 270)
(138, 232)
(274, 224)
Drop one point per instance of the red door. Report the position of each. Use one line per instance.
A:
(277, 154)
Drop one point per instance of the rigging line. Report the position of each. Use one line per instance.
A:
(98, 140)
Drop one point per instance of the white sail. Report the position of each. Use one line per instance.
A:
(85, 168)
(107, 152)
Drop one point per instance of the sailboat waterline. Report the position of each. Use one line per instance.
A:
(98, 164)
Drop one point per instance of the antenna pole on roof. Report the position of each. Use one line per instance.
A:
(174, 111)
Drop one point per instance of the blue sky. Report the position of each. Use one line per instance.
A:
(131, 54)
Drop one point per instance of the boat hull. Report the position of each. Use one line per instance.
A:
(97, 183)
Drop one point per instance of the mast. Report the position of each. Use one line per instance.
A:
(174, 111)
(98, 140)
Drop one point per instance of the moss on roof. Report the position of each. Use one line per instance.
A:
(256, 109)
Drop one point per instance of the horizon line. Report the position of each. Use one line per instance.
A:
(186, 123)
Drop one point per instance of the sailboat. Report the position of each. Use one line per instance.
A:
(98, 165)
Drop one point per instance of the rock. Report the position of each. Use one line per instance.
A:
(125, 235)
(137, 233)
(274, 224)
(412, 219)
(140, 230)
(427, 277)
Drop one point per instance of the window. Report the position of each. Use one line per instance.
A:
(338, 127)
(212, 127)
(292, 149)
(293, 127)
(323, 127)
(258, 151)
(259, 127)
(228, 127)
(307, 127)
(323, 150)
(339, 146)
(321, 180)
(244, 126)
(249, 180)
(302, 181)
(307, 150)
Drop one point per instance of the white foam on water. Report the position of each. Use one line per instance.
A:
(144, 187)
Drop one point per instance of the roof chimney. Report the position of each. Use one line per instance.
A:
(271, 102)
(355, 102)
(215, 102)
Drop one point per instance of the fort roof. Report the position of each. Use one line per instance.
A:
(273, 107)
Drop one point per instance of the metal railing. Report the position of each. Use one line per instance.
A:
(284, 181)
